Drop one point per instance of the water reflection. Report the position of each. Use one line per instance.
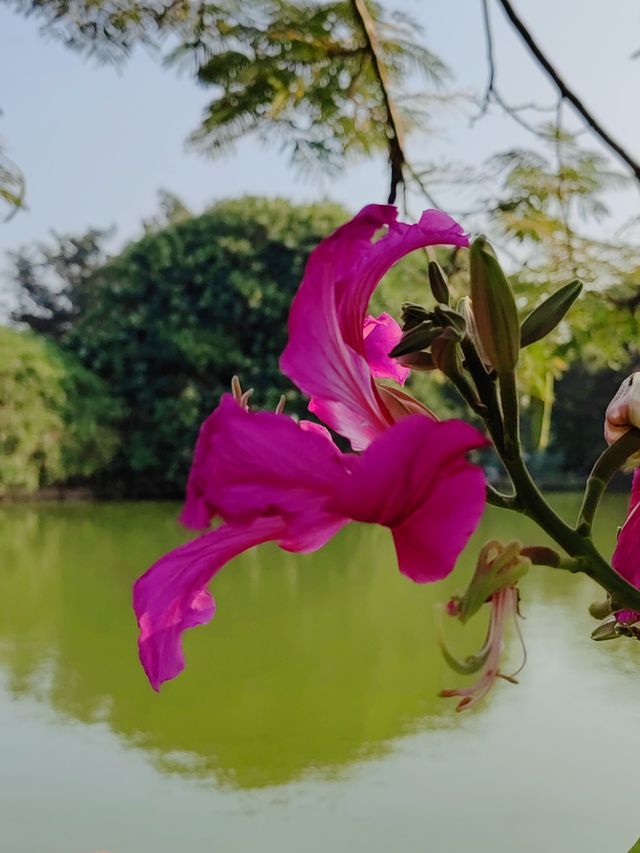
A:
(311, 663)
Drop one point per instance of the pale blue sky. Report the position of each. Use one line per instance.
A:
(96, 143)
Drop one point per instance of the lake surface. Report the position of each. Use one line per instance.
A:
(307, 719)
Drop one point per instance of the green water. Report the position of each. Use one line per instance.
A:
(308, 718)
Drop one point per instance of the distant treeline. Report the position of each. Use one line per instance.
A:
(114, 362)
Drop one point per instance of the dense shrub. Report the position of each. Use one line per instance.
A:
(56, 419)
(168, 321)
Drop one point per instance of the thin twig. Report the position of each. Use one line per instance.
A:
(397, 157)
(491, 92)
(566, 92)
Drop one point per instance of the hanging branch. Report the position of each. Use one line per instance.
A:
(492, 93)
(397, 157)
(566, 92)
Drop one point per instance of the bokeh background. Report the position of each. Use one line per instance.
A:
(166, 167)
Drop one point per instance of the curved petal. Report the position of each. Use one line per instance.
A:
(400, 404)
(173, 596)
(197, 512)
(326, 355)
(253, 464)
(416, 480)
(626, 557)
(381, 334)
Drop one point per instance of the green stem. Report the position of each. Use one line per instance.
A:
(588, 558)
(496, 498)
(486, 388)
(610, 461)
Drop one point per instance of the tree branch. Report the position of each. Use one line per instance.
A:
(397, 157)
(566, 92)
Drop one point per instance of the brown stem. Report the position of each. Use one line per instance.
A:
(397, 157)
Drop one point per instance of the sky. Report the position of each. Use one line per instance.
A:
(96, 143)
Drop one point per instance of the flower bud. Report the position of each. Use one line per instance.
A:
(445, 352)
(465, 308)
(417, 361)
(438, 282)
(412, 315)
(446, 316)
(549, 313)
(498, 566)
(494, 308)
(601, 609)
(623, 412)
(607, 631)
(416, 339)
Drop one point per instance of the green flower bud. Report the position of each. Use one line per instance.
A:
(416, 339)
(445, 352)
(412, 315)
(601, 609)
(494, 308)
(417, 361)
(607, 631)
(548, 314)
(446, 316)
(498, 566)
(438, 282)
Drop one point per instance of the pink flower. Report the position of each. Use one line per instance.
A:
(623, 412)
(380, 335)
(335, 352)
(270, 478)
(626, 557)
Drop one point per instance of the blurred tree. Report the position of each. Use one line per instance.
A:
(11, 185)
(327, 81)
(171, 319)
(56, 418)
(577, 434)
(51, 281)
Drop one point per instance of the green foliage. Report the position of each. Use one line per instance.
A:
(301, 74)
(11, 185)
(56, 420)
(582, 397)
(169, 321)
(50, 282)
(296, 73)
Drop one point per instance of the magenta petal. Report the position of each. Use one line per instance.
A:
(263, 464)
(626, 557)
(172, 595)
(197, 512)
(381, 334)
(416, 480)
(326, 355)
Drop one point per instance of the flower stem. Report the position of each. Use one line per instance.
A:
(575, 542)
(605, 467)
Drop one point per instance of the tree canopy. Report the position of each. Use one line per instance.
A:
(56, 419)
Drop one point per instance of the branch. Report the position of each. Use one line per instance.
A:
(610, 461)
(566, 92)
(491, 92)
(397, 157)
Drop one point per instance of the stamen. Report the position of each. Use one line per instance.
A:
(281, 404)
(244, 399)
(236, 388)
